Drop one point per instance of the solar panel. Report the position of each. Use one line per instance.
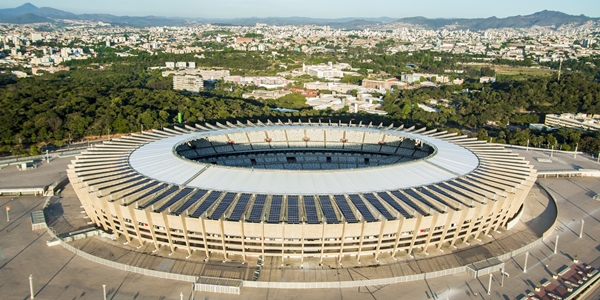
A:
(157, 198)
(428, 193)
(457, 187)
(419, 198)
(155, 190)
(257, 208)
(121, 181)
(292, 205)
(206, 204)
(362, 208)
(345, 209)
(474, 186)
(440, 191)
(222, 207)
(141, 186)
(379, 206)
(409, 202)
(311, 210)
(193, 199)
(328, 211)
(174, 199)
(387, 198)
(240, 208)
(275, 211)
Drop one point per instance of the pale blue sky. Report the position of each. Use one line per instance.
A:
(318, 8)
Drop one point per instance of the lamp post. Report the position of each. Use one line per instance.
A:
(31, 287)
(104, 290)
(525, 266)
(490, 285)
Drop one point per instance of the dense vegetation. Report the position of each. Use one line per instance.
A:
(120, 95)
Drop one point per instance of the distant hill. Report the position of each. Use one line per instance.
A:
(29, 13)
(27, 18)
(542, 18)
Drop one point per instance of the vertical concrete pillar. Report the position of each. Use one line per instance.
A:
(135, 224)
(185, 235)
(204, 237)
(168, 231)
(383, 222)
(415, 233)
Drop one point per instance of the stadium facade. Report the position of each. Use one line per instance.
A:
(300, 189)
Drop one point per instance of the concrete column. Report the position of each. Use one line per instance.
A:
(204, 237)
(122, 221)
(398, 233)
(168, 231)
(360, 240)
(383, 222)
(322, 243)
(243, 240)
(449, 217)
(431, 230)
(262, 237)
(342, 240)
(282, 241)
(415, 233)
(302, 257)
(135, 224)
(185, 235)
(224, 247)
(151, 227)
(459, 225)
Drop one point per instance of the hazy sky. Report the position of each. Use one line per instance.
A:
(318, 8)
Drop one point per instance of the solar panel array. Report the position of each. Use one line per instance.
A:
(174, 199)
(292, 206)
(193, 199)
(328, 210)
(206, 204)
(362, 208)
(257, 208)
(409, 202)
(151, 192)
(440, 191)
(420, 198)
(428, 193)
(222, 207)
(467, 187)
(156, 198)
(345, 209)
(275, 211)
(141, 187)
(311, 210)
(387, 198)
(239, 208)
(379, 206)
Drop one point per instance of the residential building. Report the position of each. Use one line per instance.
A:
(188, 83)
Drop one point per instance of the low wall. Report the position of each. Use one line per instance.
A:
(552, 202)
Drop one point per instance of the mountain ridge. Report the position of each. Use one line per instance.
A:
(29, 13)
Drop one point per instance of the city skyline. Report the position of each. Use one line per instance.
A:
(313, 8)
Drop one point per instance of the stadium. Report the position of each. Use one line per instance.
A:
(298, 190)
